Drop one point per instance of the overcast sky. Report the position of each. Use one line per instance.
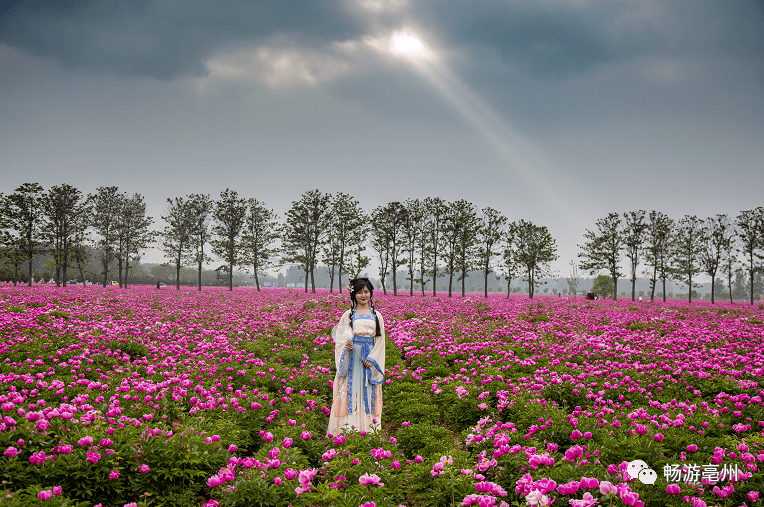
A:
(555, 111)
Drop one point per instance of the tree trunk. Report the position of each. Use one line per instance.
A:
(530, 284)
(509, 282)
(230, 274)
(177, 275)
(66, 264)
(312, 279)
(750, 276)
(633, 288)
(464, 277)
(82, 275)
(729, 284)
(257, 280)
(200, 273)
(664, 289)
(434, 266)
(395, 278)
(615, 288)
(29, 282)
(713, 282)
(127, 270)
(485, 283)
(105, 264)
(435, 277)
(450, 282)
(307, 270)
(652, 287)
(689, 290)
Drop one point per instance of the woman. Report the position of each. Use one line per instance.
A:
(360, 362)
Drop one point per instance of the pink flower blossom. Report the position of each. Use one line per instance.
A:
(367, 479)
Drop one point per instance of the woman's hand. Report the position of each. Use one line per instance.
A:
(367, 363)
(348, 346)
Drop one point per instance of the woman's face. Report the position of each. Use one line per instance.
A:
(362, 296)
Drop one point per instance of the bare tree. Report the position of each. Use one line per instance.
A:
(573, 279)
(602, 249)
(491, 231)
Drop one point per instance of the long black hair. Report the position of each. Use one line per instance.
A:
(357, 285)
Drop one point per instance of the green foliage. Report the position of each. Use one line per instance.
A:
(603, 286)
(425, 439)
(410, 406)
(129, 346)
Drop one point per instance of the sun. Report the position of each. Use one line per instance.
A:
(408, 45)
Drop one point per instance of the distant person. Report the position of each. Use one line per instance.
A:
(158, 287)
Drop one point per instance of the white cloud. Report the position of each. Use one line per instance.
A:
(277, 66)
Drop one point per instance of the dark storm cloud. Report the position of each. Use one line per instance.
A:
(554, 38)
(536, 39)
(161, 38)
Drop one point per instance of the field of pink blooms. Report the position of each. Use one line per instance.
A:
(155, 397)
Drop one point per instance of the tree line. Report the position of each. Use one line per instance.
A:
(678, 250)
(423, 236)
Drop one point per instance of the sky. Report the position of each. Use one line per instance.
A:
(553, 111)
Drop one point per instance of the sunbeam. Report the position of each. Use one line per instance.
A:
(521, 155)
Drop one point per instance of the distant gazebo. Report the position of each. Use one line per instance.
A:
(223, 275)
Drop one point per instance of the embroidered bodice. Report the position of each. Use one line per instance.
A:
(364, 325)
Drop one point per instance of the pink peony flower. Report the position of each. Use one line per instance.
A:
(144, 469)
(114, 475)
(367, 479)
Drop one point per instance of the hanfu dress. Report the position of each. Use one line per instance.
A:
(357, 391)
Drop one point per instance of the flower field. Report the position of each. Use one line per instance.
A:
(146, 397)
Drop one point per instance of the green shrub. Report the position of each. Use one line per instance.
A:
(425, 439)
